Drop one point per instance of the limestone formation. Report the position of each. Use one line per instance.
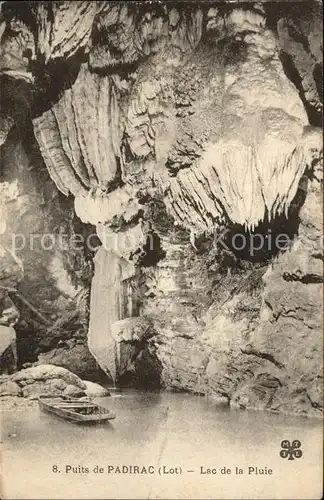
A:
(211, 167)
(300, 42)
(16, 50)
(64, 28)
(162, 127)
(44, 372)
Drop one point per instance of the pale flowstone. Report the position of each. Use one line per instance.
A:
(105, 309)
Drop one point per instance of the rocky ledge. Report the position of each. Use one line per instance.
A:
(29, 383)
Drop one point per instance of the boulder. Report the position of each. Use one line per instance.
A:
(132, 329)
(10, 389)
(73, 391)
(76, 358)
(8, 354)
(50, 387)
(7, 336)
(94, 390)
(45, 373)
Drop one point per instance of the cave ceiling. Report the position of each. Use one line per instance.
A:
(213, 108)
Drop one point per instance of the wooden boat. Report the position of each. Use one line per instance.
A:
(80, 410)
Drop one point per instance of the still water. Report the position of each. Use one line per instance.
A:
(179, 436)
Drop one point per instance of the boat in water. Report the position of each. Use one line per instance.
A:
(79, 410)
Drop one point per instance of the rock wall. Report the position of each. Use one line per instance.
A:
(253, 338)
(43, 277)
(166, 126)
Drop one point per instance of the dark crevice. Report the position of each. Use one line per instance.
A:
(16, 101)
(314, 115)
(294, 15)
(318, 77)
(144, 368)
(152, 251)
(53, 78)
(117, 180)
(128, 155)
(293, 10)
(318, 256)
(124, 70)
(262, 355)
(307, 279)
(314, 404)
(268, 239)
(295, 33)
(23, 11)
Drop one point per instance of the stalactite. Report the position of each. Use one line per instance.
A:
(78, 138)
(233, 178)
(248, 161)
(96, 207)
(193, 104)
(156, 130)
(129, 34)
(56, 160)
(64, 27)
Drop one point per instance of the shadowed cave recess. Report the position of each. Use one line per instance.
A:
(160, 196)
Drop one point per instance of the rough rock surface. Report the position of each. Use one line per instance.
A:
(8, 349)
(73, 391)
(203, 181)
(73, 356)
(45, 379)
(64, 28)
(46, 372)
(40, 264)
(94, 390)
(302, 49)
(262, 348)
(10, 389)
(48, 379)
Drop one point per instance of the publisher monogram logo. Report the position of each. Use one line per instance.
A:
(290, 450)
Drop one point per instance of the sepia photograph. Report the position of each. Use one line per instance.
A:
(161, 250)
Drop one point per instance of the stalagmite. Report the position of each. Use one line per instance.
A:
(105, 308)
